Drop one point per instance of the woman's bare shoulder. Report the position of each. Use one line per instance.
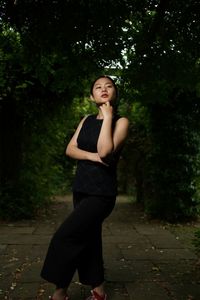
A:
(123, 121)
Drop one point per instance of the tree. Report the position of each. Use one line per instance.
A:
(52, 49)
(62, 44)
(163, 66)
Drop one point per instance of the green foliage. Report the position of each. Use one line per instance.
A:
(44, 74)
(35, 97)
(41, 172)
(171, 164)
(137, 144)
(90, 29)
(163, 66)
(11, 57)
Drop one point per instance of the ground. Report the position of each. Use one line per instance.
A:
(144, 260)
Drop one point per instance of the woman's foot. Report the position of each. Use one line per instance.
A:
(96, 296)
(60, 294)
(66, 298)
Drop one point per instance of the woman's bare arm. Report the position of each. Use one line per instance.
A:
(109, 142)
(73, 151)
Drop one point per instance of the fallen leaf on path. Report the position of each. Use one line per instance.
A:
(13, 259)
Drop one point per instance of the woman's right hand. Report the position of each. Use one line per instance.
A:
(96, 158)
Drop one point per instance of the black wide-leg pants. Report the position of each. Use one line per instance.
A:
(77, 244)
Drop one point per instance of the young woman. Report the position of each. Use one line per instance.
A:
(77, 244)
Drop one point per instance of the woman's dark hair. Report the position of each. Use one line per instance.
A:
(104, 76)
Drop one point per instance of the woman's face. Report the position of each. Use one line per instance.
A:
(103, 91)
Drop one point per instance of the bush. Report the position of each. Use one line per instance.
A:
(41, 173)
(172, 164)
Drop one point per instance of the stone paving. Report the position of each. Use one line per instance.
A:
(144, 260)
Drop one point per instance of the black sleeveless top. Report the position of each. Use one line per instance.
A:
(94, 178)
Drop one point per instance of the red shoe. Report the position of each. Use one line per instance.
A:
(66, 298)
(96, 296)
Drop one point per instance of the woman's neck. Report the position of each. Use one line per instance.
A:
(99, 115)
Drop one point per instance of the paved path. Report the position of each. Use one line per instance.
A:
(143, 260)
